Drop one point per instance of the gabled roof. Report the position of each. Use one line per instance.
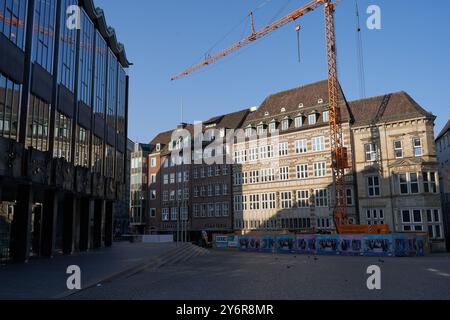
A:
(390, 107)
(444, 131)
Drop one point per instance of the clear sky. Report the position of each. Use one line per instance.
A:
(163, 37)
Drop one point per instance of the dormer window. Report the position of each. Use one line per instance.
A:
(260, 129)
(312, 118)
(299, 121)
(158, 147)
(266, 114)
(285, 124)
(273, 126)
(222, 133)
(320, 101)
(249, 132)
(283, 110)
(300, 105)
(326, 116)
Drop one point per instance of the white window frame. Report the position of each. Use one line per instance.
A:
(283, 149)
(398, 150)
(321, 198)
(320, 169)
(374, 187)
(303, 199)
(417, 148)
(286, 199)
(301, 146)
(284, 173)
(318, 144)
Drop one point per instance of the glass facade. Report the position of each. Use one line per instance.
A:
(112, 90)
(86, 59)
(82, 147)
(10, 94)
(101, 55)
(121, 105)
(13, 20)
(38, 124)
(109, 161)
(63, 137)
(67, 49)
(44, 33)
(120, 166)
(97, 155)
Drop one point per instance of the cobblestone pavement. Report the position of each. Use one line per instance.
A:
(46, 278)
(235, 276)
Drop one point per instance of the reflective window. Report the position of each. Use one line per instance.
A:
(38, 124)
(86, 59)
(101, 51)
(112, 90)
(82, 147)
(97, 154)
(109, 163)
(63, 136)
(67, 49)
(122, 102)
(44, 33)
(13, 20)
(10, 94)
(120, 166)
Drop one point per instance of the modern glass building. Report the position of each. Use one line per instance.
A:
(63, 127)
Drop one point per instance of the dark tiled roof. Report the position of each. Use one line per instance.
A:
(290, 100)
(390, 107)
(229, 121)
(444, 131)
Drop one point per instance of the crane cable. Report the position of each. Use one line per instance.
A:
(360, 55)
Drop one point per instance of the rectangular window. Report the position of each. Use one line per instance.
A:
(38, 124)
(375, 216)
(371, 152)
(284, 173)
(225, 189)
(326, 116)
(409, 183)
(398, 149)
(286, 200)
(285, 125)
(10, 99)
(301, 146)
(13, 21)
(86, 58)
(302, 171)
(218, 210)
(253, 154)
(321, 198)
(268, 201)
(238, 203)
(320, 169)
(272, 127)
(312, 119)
(373, 186)
(63, 137)
(82, 147)
(303, 199)
(172, 178)
(152, 194)
(43, 32)
(196, 210)
(166, 179)
(165, 196)
(417, 145)
(211, 210)
(225, 209)
(318, 144)
(165, 214)
(254, 202)
(153, 213)
(298, 122)
(174, 214)
(429, 182)
(283, 149)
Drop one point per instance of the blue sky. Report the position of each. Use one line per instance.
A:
(163, 37)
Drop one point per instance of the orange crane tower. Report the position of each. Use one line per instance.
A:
(339, 152)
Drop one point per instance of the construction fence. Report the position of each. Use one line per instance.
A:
(391, 245)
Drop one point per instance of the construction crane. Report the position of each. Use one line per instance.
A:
(338, 151)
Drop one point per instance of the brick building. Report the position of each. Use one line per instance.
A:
(281, 177)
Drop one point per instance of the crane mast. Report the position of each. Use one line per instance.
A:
(338, 151)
